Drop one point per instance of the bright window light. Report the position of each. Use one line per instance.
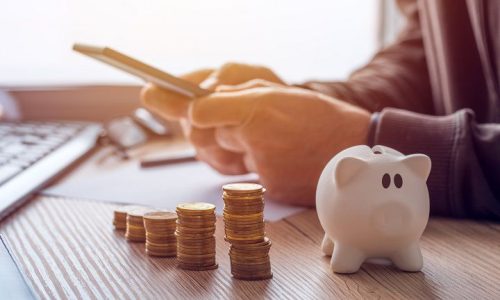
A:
(300, 40)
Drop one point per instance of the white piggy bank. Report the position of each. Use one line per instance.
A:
(373, 203)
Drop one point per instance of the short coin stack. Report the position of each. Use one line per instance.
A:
(120, 216)
(195, 236)
(135, 225)
(160, 233)
(244, 228)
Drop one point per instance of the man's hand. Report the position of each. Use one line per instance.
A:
(175, 107)
(284, 134)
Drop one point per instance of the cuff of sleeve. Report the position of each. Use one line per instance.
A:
(411, 133)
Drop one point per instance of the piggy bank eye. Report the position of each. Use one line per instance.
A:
(398, 181)
(386, 180)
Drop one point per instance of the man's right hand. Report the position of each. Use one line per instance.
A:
(173, 106)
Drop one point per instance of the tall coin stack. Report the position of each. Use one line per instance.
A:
(135, 231)
(195, 236)
(160, 233)
(244, 228)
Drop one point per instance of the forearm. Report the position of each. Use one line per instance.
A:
(465, 176)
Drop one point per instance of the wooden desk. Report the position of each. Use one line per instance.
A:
(69, 250)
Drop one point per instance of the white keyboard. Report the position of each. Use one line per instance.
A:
(32, 153)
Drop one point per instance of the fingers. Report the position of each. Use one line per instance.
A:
(225, 137)
(169, 105)
(210, 151)
(254, 83)
(201, 138)
(250, 163)
(229, 138)
(226, 162)
(235, 73)
(225, 109)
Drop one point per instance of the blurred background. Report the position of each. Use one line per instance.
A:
(317, 39)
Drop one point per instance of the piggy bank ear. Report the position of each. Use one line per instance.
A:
(420, 164)
(346, 169)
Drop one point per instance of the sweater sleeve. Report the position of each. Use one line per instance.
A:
(465, 176)
(397, 76)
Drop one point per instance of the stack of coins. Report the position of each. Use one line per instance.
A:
(135, 231)
(244, 228)
(160, 233)
(120, 216)
(195, 236)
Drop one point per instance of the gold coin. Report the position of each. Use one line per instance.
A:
(263, 244)
(197, 268)
(195, 251)
(243, 208)
(161, 253)
(243, 188)
(169, 237)
(252, 277)
(120, 215)
(139, 212)
(251, 217)
(160, 215)
(244, 199)
(196, 208)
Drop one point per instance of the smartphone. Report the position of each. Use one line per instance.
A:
(142, 70)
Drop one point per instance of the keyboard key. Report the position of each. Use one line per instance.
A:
(14, 149)
(23, 164)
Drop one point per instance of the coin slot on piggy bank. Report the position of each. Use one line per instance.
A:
(373, 203)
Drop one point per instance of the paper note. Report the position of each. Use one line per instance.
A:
(104, 178)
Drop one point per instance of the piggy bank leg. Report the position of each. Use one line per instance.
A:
(346, 259)
(409, 259)
(327, 245)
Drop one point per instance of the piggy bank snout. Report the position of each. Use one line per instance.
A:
(392, 218)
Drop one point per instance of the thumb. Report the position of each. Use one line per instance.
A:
(224, 109)
(251, 84)
(237, 73)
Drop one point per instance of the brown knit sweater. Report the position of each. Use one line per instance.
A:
(437, 92)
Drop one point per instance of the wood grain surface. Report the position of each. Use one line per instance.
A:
(69, 250)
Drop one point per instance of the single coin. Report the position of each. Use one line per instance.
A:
(264, 243)
(196, 230)
(139, 212)
(252, 278)
(201, 262)
(243, 199)
(197, 268)
(257, 216)
(160, 215)
(244, 188)
(200, 207)
(160, 253)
